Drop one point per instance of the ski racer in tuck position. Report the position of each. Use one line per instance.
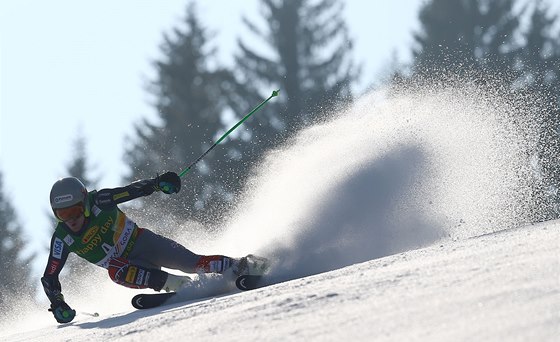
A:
(91, 225)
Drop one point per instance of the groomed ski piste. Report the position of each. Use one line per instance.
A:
(405, 218)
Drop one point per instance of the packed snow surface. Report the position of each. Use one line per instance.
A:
(498, 287)
(404, 218)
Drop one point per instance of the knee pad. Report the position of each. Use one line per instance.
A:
(134, 276)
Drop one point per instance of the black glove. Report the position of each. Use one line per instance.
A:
(62, 312)
(168, 182)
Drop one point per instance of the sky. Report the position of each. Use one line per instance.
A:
(81, 66)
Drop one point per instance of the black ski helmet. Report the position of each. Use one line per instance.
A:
(67, 192)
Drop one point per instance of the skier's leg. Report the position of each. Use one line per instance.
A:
(136, 276)
(154, 249)
(216, 264)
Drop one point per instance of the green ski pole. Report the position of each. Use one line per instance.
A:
(188, 168)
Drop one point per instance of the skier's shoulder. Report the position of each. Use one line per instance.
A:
(60, 240)
(91, 196)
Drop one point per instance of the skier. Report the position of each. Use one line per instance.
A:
(91, 225)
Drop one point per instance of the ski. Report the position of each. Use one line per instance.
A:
(252, 269)
(151, 300)
(248, 282)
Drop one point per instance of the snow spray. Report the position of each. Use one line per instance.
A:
(394, 172)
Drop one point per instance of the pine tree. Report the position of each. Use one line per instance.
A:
(539, 66)
(307, 55)
(190, 101)
(479, 40)
(465, 38)
(305, 51)
(15, 269)
(196, 104)
(78, 166)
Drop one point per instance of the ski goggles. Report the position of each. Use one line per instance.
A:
(70, 213)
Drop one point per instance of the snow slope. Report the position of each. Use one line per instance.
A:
(497, 287)
(402, 218)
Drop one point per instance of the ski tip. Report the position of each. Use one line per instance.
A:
(248, 282)
(137, 302)
(148, 301)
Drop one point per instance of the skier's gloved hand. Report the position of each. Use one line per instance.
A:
(62, 312)
(169, 182)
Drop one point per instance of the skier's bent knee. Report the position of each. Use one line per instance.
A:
(122, 272)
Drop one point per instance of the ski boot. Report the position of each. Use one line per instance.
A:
(251, 265)
(250, 271)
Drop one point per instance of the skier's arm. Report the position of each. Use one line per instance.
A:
(58, 255)
(168, 182)
(57, 258)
